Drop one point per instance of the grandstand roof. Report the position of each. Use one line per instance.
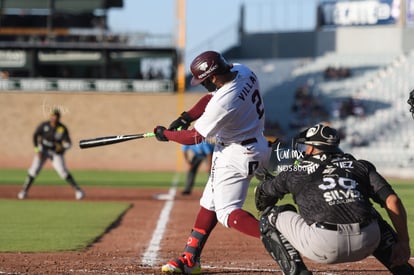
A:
(75, 6)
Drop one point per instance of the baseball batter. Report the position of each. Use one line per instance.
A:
(232, 115)
(51, 139)
(336, 222)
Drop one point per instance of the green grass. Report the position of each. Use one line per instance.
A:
(34, 226)
(26, 234)
(94, 178)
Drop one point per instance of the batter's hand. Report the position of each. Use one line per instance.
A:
(159, 133)
(181, 123)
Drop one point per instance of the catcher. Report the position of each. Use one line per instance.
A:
(410, 101)
(336, 222)
(51, 139)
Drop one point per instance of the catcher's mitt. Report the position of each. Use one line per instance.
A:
(263, 174)
(261, 199)
(410, 101)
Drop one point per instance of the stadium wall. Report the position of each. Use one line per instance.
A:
(356, 40)
(380, 39)
(90, 115)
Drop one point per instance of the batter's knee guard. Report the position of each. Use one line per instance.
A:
(277, 245)
(384, 249)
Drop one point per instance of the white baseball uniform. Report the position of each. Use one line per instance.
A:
(234, 117)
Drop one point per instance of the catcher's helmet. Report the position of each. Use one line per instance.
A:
(207, 64)
(320, 136)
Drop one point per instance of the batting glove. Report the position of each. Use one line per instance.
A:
(181, 123)
(159, 133)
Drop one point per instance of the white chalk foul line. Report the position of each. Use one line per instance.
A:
(151, 254)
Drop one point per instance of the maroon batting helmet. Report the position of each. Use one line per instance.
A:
(207, 64)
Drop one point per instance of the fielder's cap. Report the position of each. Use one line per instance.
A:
(320, 136)
(55, 111)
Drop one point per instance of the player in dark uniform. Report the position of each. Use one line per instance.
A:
(51, 139)
(336, 222)
(410, 102)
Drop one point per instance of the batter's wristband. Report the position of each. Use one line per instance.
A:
(36, 149)
(187, 118)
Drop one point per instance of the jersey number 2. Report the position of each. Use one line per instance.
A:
(256, 99)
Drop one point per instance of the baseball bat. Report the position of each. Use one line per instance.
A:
(102, 141)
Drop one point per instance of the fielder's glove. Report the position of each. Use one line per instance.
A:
(261, 199)
(59, 149)
(159, 133)
(181, 123)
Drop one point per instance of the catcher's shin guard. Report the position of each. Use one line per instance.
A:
(277, 245)
(384, 250)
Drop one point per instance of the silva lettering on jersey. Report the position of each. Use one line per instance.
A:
(336, 197)
(340, 190)
(247, 88)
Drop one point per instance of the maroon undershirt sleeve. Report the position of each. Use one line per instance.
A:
(189, 137)
(198, 109)
(186, 137)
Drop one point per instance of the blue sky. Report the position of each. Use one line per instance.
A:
(213, 23)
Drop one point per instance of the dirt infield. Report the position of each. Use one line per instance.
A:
(122, 249)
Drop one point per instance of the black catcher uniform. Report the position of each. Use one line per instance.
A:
(336, 221)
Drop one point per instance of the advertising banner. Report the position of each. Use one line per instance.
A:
(409, 12)
(79, 85)
(359, 13)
